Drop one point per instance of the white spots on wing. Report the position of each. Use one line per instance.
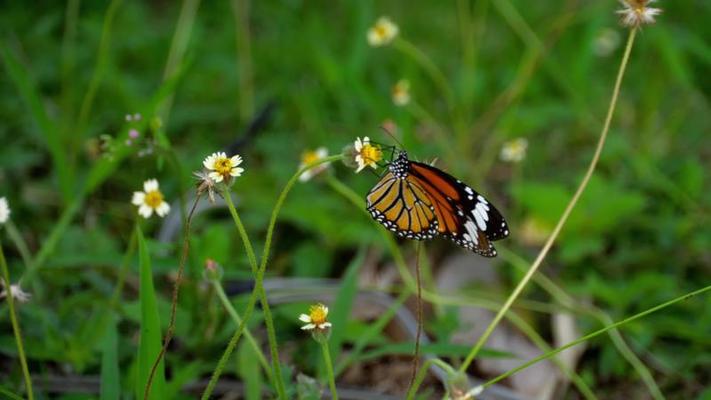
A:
(482, 199)
(471, 234)
(506, 232)
(468, 190)
(479, 220)
(470, 197)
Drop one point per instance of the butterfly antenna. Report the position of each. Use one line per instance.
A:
(392, 135)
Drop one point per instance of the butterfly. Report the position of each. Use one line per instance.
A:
(419, 201)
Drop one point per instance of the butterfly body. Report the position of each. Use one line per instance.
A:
(418, 201)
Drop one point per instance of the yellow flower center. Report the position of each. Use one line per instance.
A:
(309, 157)
(371, 154)
(317, 314)
(154, 199)
(381, 30)
(223, 166)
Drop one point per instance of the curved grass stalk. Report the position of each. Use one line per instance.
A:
(567, 301)
(16, 326)
(259, 277)
(549, 243)
(589, 336)
(329, 369)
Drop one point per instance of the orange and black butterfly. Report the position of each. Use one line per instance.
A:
(419, 201)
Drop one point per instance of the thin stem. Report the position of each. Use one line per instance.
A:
(259, 289)
(416, 356)
(19, 242)
(329, 369)
(238, 320)
(594, 334)
(258, 281)
(583, 184)
(174, 302)
(15, 325)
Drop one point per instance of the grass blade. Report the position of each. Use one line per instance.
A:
(110, 378)
(344, 302)
(28, 92)
(150, 342)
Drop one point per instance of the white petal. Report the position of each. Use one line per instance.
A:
(308, 327)
(236, 171)
(306, 175)
(236, 160)
(325, 311)
(138, 198)
(209, 162)
(145, 211)
(358, 145)
(325, 325)
(221, 154)
(216, 177)
(322, 152)
(304, 318)
(150, 185)
(163, 209)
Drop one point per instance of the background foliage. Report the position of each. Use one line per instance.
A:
(539, 70)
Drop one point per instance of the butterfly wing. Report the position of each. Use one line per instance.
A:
(402, 207)
(463, 215)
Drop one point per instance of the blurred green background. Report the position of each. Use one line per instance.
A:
(540, 70)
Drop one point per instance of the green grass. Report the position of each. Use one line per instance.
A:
(481, 73)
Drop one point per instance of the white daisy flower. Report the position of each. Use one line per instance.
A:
(316, 318)
(514, 150)
(382, 33)
(223, 168)
(401, 93)
(4, 210)
(150, 200)
(310, 157)
(16, 292)
(367, 155)
(636, 12)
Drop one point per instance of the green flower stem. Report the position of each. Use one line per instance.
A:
(259, 290)
(16, 325)
(436, 299)
(583, 184)
(19, 242)
(329, 368)
(238, 321)
(592, 335)
(258, 279)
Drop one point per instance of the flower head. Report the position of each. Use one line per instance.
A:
(151, 199)
(316, 318)
(223, 167)
(16, 292)
(382, 33)
(366, 154)
(514, 150)
(309, 157)
(205, 184)
(401, 92)
(4, 210)
(636, 12)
